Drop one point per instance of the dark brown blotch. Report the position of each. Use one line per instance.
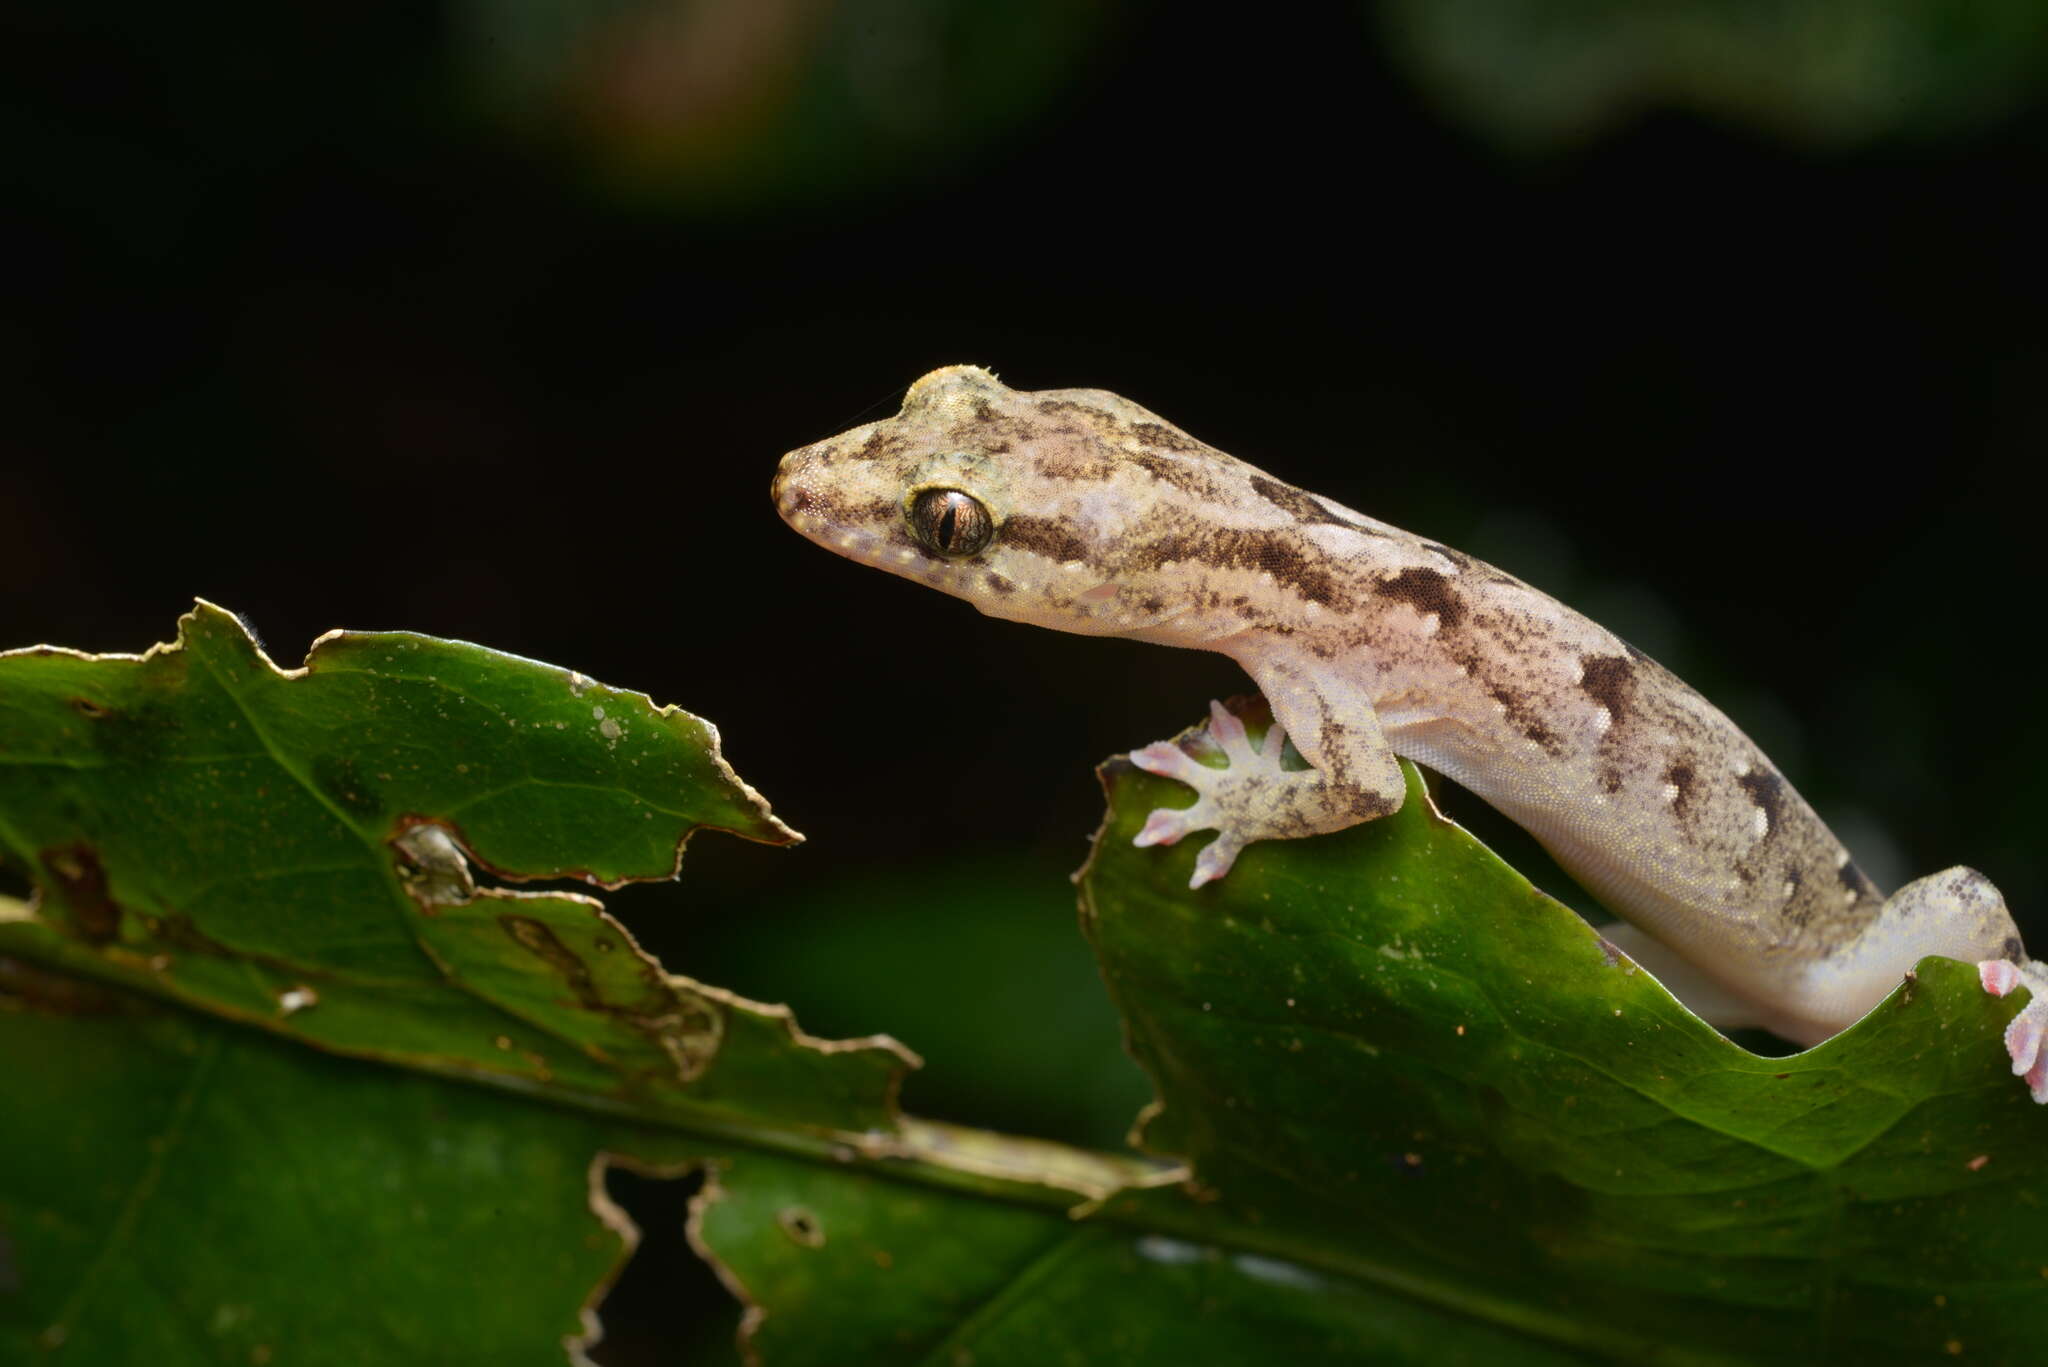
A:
(1458, 558)
(1610, 681)
(1303, 573)
(1425, 590)
(1522, 714)
(1857, 881)
(81, 882)
(1166, 438)
(1232, 548)
(1685, 779)
(1050, 537)
(1169, 471)
(1298, 504)
(1767, 790)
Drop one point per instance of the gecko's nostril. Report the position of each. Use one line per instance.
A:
(790, 497)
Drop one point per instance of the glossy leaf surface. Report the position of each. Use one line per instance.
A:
(1388, 1042)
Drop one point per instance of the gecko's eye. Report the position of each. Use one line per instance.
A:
(951, 524)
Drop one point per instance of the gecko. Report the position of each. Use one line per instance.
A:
(1079, 510)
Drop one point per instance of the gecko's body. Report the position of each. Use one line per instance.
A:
(1080, 510)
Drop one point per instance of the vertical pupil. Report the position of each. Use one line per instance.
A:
(946, 526)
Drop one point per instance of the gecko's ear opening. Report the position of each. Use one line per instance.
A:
(931, 388)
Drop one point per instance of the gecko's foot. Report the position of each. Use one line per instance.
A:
(2026, 1039)
(1225, 798)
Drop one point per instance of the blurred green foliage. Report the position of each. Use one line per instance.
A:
(723, 104)
(739, 103)
(1538, 73)
(975, 962)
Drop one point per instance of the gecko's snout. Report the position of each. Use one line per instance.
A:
(787, 491)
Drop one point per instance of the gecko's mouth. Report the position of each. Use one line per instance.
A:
(812, 517)
(791, 499)
(798, 505)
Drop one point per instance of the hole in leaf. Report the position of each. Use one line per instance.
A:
(802, 1226)
(667, 1306)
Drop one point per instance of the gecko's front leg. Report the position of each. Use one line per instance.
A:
(1353, 775)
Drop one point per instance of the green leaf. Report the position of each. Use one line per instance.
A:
(1427, 1114)
(282, 849)
(180, 1190)
(1385, 1043)
(909, 1275)
(273, 1155)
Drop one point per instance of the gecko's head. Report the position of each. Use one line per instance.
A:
(1032, 506)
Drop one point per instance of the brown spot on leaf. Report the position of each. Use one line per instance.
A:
(179, 931)
(539, 940)
(801, 1226)
(683, 1026)
(81, 882)
(31, 985)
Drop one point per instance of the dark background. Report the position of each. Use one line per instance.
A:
(491, 322)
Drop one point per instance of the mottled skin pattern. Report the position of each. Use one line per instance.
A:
(1369, 642)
